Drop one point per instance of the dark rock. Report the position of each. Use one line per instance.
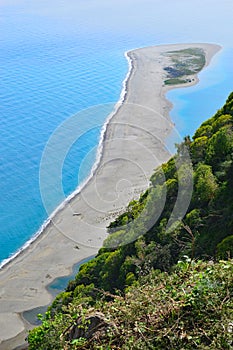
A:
(88, 327)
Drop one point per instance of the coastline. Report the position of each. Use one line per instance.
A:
(132, 139)
(49, 220)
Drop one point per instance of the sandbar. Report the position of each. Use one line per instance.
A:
(134, 145)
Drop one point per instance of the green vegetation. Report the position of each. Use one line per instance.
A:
(175, 81)
(151, 287)
(190, 308)
(183, 64)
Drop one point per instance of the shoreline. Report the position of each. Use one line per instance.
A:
(118, 105)
(56, 211)
(112, 137)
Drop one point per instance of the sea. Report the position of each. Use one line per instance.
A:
(65, 57)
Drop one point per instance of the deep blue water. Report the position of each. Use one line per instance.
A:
(58, 58)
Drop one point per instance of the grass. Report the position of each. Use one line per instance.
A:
(175, 81)
(183, 64)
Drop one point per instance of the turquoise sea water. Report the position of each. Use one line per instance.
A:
(58, 58)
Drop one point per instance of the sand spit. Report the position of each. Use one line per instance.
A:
(134, 145)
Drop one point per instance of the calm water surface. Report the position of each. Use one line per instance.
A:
(58, 58)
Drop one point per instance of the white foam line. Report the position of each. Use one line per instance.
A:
(92, 173)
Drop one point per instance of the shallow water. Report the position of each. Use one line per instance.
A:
(54, 288)
(60, 57)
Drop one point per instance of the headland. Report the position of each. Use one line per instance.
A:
(133, 145)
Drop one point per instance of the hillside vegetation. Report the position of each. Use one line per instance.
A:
(156, 285)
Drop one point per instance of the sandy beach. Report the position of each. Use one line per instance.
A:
(134, 145)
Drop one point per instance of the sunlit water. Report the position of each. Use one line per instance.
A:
(60, 57)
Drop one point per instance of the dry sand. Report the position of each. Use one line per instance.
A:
(134, 145)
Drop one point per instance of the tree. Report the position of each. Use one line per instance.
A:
(205, 183)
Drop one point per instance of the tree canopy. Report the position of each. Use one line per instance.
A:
(141, 254)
